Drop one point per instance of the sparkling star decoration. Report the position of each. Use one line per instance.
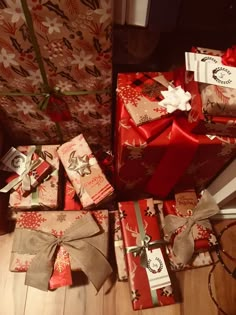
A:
(80, 165)
(175, 98)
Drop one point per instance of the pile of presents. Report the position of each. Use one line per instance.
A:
(174, 132)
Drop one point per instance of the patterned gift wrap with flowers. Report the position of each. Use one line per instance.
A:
(213, 107)
(199, 259)
(118, 244)
(83, 170)
(75, 45)
(137, 218)
(139, 150)
(56, 223)
(46, 196)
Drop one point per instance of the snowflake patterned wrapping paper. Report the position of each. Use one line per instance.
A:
(199, 259)
(84, 172)
(138, 156)
(47, 196)
(139, 223)
(57, 223)
(75, 44)
(118, 244)
(183, 206)
(213, 107)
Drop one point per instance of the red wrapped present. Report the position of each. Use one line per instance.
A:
(71, 199)
(187, 225)
(171, 154)
(29, 168)
(48, 245)
(213, 106)
(84, 172)
(149, 279)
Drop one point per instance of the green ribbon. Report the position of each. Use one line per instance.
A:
(48, 91)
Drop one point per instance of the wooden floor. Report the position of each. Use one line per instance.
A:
(18, 299)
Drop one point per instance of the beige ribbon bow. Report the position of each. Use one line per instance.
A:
(82, 240)
(24, 178)
(183, 246)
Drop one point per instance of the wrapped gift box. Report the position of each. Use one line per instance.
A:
(118, 245)
(45, 228)
(140, 150)
(213, 107)
(149, 279)
(184, 208)
(199, 259)
(84, 172)
(78, 35)
(71, 199)
(46, 196)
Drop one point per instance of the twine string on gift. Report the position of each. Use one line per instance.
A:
(24, 178)
(81, 240)
(183, 245)
(48, 91)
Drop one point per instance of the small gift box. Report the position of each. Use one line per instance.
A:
(48, 245)
(47, 195)
(29, 168)
(84, 172)
(198, 260)
(214, 97)
(149, 96)
(149, 279)
(187, 225)
(118, 245)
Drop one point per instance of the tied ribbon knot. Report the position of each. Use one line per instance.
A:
(24, 178)
(183, 246)
(141, 250)
(83, 241)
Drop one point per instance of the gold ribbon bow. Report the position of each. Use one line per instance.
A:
(82, 240)
(141, 250)
(30, 165)
(183, 246)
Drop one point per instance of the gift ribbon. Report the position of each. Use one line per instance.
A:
(183, 246)
(146, 244)
(178, 156)
(24, 178)
(82, 241)
(49, 92)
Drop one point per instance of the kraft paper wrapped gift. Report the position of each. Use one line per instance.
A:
(187, 224)
(83, 170)
(149, 279)
(213, 107)
(142, 151)
(41, 235)
(46, 196)
(74, 43)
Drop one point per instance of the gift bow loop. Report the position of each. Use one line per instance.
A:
(183, 246)
(81, 240)
(140, 250)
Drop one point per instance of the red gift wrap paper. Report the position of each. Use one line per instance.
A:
(138, 280)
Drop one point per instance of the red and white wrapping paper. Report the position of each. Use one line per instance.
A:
(139, 220)
(84, 172)
(47, 195)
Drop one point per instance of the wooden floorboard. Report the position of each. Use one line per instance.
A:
(114, 297)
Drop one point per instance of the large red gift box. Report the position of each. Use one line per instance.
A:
(213, 107)
(183, 159)
(139, 224)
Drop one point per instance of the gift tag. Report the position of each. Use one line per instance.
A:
(13, 161)
(157, 273)
(186, 201)
(191, 59)
(215, 74)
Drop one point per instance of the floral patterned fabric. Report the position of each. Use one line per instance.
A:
(75, 43)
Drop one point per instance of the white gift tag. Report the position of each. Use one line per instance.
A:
(13, 161)
(157, 273)
(215, 74)
(191, 59)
